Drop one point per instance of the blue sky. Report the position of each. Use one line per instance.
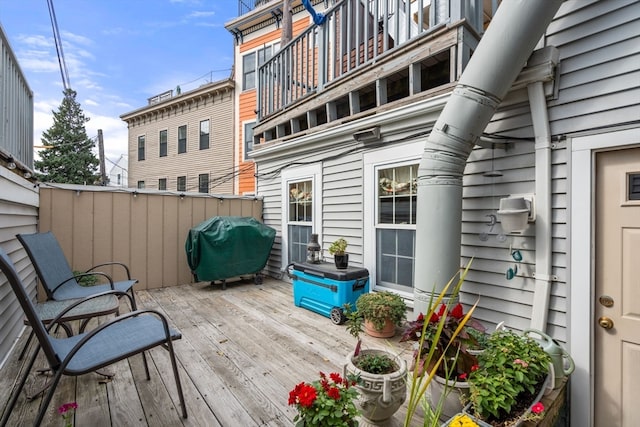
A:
(118, 54)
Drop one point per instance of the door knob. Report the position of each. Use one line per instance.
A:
(605, 322)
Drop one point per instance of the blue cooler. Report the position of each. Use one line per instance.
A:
(325, 289)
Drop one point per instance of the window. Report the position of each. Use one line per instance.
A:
(141, 147)
(396, 198)
(248, 138)
(182, 139)
(163, 143)
(203, 183)
(250, 66)
(140, 184)
(300, 219)
(162, 184)
(182, 183)
(119, 179)
(204, 134)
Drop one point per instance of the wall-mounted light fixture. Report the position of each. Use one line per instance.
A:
(516, 211)
(367, 135)
(27, 175)
(11, 164)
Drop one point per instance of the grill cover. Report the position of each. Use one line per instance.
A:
(228, 246)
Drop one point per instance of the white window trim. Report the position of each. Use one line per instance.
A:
(314, 173)
(581, 275)
(245, 158)
(392, 155)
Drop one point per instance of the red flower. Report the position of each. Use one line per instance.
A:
(462, 376)
(434, 318)
(457, 312)
(420, 317)
(538, 408)
(307, 396)
(335, 377)
(443, 307)
(474, 368)
(333, 393)
(67, 407)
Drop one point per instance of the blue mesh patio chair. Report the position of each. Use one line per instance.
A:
(122, 337)
(56, 276)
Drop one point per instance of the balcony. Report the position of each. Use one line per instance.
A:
(367, 56)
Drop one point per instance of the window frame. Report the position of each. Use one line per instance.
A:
(182, 142)
(408, 153)
(163, 142)
(251, 61)
(202, 182)
(141, 147)
(205, 146)
(247, 143)
(296, 174)
(181, 183)
(162, 183)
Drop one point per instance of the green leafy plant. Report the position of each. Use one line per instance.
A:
(376, 307)
(326, 402)
(375, 363)
(85, 279)
(458, 363)
(338, 247)
(512, 370)
(422, 378)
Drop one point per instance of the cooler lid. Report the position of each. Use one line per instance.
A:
(329, 270)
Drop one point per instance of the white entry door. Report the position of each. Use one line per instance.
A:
(617, 297)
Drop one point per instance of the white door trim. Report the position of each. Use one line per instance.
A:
(581, 274)
(314, 173)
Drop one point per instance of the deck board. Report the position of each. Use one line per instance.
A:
(242, 351)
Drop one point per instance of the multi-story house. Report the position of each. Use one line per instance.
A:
(184, 141)
(407, 127)
(257, 33)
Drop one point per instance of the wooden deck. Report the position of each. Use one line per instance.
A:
(242, 351)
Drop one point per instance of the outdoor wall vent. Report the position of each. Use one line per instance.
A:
(367, 135)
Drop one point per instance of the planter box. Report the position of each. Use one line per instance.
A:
(324, 289)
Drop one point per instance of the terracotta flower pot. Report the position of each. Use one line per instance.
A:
(387, 331)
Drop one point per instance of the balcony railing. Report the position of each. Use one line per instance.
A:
(354, 34)
(16, 109)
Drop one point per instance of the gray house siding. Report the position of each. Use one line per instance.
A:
(18, 214)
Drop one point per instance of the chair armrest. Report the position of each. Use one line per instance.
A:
(84, 300)
(77, 276)
(113, 263)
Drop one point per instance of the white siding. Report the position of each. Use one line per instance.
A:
(18, 214)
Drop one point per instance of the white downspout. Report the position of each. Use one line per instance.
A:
(543, 267)
(494, 66)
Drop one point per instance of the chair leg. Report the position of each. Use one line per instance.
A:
(146, 365)
(176, 375)
(26, 345)
(47, 399)
(18, 390)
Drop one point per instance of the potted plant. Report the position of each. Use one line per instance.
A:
(441, 342)
(512, 375)
(338, 250)
(378, 313)
(382, 375)
(326, 402)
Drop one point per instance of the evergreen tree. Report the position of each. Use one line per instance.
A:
(68, 158)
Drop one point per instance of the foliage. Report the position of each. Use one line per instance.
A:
(85, 279)
(326, 402)
(338, 247)
(457, 363)
(375, 363)
(511, 367)
(375, 307)
(421, 379)
(67, 411)
(69, 158)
